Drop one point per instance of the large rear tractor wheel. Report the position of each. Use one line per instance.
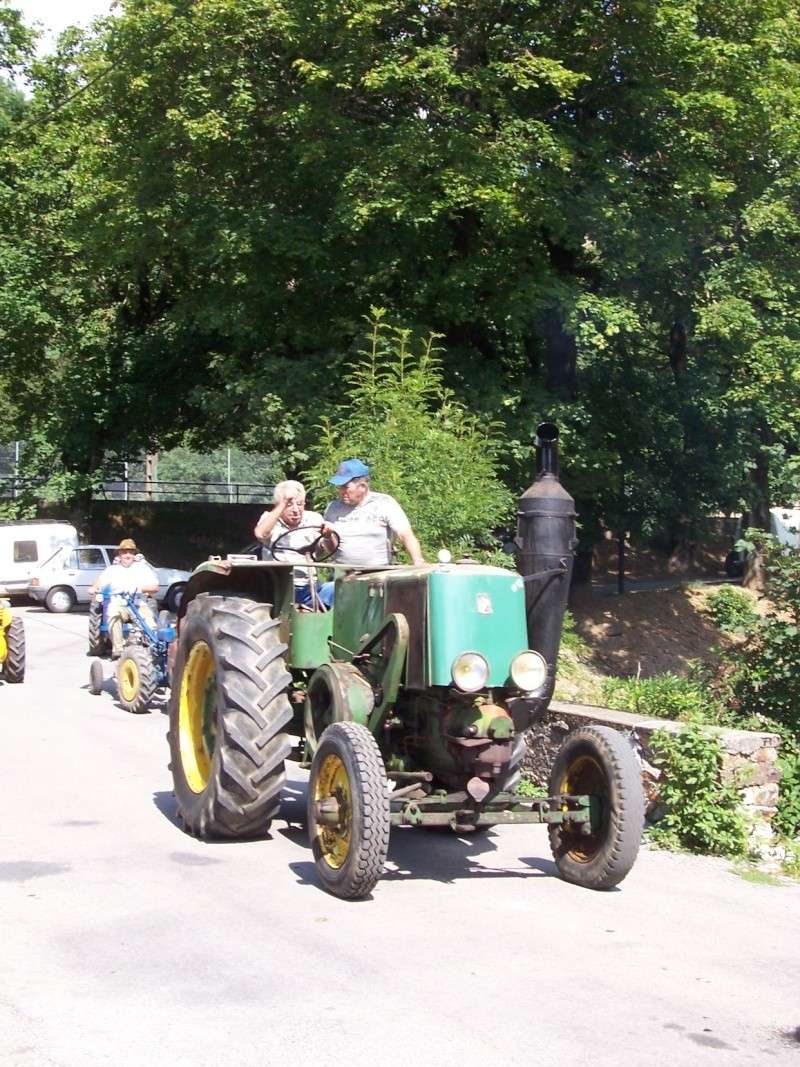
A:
(598, 761)
(228, 710)
(136, 679)
(348, 811)
(99, 644)
(14, 665)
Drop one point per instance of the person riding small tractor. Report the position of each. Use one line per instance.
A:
(143, 666)
(12, 643)
(411, 699)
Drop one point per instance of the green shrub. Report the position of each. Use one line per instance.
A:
(731, 609)
(666, 696)
(787, 818)
(571, 640)
(766, 671)
(425, 448)
(703, 814)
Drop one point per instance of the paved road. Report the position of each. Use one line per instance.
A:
(125, 942)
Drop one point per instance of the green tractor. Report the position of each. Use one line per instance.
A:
(408, 702)
(12, 643)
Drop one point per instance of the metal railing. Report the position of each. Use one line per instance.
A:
(12, 488)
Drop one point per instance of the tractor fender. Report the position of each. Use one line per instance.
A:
(337, 692)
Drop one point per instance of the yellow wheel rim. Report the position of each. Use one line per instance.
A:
(333, 783)
(583, 777)
(197, 721)
(129, 681)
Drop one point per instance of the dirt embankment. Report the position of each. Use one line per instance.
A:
(648, 632)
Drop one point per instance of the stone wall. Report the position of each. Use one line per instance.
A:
(749, 759)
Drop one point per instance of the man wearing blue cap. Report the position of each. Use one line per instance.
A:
(367, 522)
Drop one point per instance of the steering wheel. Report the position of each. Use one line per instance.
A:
(311, 548)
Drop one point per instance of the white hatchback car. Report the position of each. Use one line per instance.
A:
(63, 581)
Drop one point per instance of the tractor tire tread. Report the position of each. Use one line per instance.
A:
(626, 817)
(14, 665)
(148, 679)
(369, 859)
(247, 774)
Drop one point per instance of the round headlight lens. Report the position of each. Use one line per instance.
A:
(470, 672)
(529, 671)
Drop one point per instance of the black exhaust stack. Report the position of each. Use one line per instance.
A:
(544, 551)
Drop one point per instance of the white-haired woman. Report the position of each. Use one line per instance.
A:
(288, 514)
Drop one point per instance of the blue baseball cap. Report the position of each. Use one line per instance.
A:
(348, 470)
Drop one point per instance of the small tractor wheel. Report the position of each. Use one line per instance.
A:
(348, 810)
(228, 711)
(60, 599)
(172, 601)
(598, 761)
(14, 665)
(98, 642)
(96, 678)
(136, 679)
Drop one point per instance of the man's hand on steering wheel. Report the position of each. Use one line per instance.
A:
(318, 550)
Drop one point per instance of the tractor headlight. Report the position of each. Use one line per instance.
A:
(529, 671)
(470, 672)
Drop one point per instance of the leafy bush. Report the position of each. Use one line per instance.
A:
(426, 449)
(731, 609)
(703, 813)
(666, 696)
(766, 671)
(571, 640)
(787, 818)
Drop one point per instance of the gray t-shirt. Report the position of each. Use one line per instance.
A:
(367, 529)
(296, 538)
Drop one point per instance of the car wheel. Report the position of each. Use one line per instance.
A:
(172, 600)
(60, 599)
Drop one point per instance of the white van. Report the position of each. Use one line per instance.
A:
(25, 546)
(785, 526)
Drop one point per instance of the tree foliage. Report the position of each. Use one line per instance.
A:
(595, 206)
(423, 446)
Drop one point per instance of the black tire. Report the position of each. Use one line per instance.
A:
(99, 644)
(60, 599)
(348, 768)
(228, 710)
(136, 679)
(96, 678)
(172, 601)
(598, 761)
(14, 665)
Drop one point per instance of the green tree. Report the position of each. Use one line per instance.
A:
(594, 207)
(439, 460)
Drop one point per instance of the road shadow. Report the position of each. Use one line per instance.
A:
(167, 805)
(415, 854)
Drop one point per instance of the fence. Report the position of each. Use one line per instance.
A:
(173, 491)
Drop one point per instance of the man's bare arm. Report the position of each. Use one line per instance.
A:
(412, 546)
(269, 519)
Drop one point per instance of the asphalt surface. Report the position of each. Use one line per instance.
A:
(125, 942)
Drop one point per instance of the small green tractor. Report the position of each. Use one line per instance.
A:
(12, 643)
(408, 702)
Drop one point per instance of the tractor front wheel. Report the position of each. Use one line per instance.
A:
(14, 665)
(597, 761)
(228, 712)
(136, 679)
(348, 811)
